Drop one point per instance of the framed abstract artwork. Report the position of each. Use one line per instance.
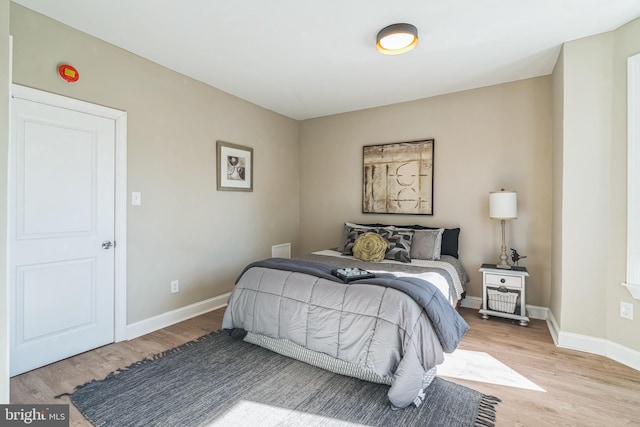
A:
(398, 178)
(235, 167)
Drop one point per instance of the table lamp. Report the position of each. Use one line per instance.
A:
(503, 205)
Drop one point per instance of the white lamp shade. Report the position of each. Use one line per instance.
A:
(503, 205)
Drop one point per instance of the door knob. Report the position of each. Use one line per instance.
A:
(106, 244)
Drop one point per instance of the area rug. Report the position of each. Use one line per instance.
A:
(218, 380)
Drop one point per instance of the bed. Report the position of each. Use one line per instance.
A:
(392, 329)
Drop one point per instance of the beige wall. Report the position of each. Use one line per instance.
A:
(485, 139)
(4, 145)
(185, 229)
(591, 92)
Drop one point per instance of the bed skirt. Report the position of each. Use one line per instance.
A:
(326, 362)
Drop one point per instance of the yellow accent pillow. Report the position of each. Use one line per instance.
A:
(370, 247)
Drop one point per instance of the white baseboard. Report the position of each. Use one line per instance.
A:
(623, 355)
(581, 342)
(471, 302)
(572, 341)
(533, 311)
(553, 326)
(537, 312)
(593, 345)
(172, 317)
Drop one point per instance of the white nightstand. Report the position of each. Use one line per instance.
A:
(506, 289)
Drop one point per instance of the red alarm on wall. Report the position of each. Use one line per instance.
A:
(68, 73)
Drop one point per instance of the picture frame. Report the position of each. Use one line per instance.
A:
(235, 167)
(397, 178)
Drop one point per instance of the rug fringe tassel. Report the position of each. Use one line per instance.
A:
(113, 374)
(487, 411)
(76, 388)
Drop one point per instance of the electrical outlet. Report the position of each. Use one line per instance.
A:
(175, 286)
(626, 310)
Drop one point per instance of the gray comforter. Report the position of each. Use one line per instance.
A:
(448, 288)
(395, 327)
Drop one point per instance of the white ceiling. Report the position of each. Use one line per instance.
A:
(313, 58)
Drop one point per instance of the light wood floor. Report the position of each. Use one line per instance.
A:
(580, 389)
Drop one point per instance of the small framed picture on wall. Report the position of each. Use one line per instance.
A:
(235, 167)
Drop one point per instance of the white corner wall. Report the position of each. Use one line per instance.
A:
(586, 147)
(589, 256)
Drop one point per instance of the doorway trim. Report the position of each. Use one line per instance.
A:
(120, 232)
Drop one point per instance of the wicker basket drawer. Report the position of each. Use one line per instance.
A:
(502, 299)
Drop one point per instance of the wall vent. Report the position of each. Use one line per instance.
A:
(281, 251)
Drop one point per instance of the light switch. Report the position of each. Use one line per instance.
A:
(136, 199)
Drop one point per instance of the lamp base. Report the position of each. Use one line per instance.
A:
(503, 264)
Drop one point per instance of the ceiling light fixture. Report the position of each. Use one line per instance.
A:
(396, 39)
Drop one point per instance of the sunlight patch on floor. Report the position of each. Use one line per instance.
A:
(482, 367)
(245, 413)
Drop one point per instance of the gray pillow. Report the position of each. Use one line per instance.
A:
(350, 233)
(399, 244)
(427, 244)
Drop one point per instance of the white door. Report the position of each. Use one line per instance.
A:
(61, 210)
